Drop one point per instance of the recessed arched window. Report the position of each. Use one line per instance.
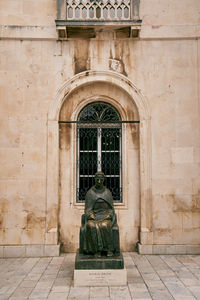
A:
(99, 148)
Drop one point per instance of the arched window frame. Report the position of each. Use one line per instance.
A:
(104, 119)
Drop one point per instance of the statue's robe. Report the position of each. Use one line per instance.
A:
(98, 231)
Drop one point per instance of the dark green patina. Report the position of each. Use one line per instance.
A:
(99, 232)
(84, 262)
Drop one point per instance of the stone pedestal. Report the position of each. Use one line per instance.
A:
(105, 277)
(99, 271)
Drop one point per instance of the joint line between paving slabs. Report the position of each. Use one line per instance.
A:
(160, 276)
(142, 278)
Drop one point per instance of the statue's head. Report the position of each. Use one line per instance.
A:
(99, 179)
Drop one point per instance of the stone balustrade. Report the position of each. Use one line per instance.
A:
(99, 10)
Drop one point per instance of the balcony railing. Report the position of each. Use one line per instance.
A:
(98, 10)
(84, 13)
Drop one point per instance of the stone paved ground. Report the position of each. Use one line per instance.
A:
(157, 277)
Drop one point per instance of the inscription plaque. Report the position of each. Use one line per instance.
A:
(100, 277)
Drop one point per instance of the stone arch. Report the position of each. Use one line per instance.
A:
(141, 103)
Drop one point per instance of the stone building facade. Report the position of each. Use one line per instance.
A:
(148, 70)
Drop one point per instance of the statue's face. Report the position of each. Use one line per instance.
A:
(99, 179)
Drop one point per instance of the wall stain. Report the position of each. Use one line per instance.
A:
(32, 221)
(4, 206)
(1, 221)
(196, 201)
(53, 220)
(65, 136)
(163, 231)
(116, 62)
(81, 56)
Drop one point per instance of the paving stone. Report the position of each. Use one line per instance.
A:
(44, 284)
(22, 292)
(100, 298)
(34, 277)
(119, 293)
(63, 281)
(178, 291)
(139, 291)
(42, 293)
(28, 283)
(38, 298)
(47, 277)
(79, 293)
(4, 297)
(195, 290)
(99, 292)
(66, 273)
(18, 298)
(57, 296)
(60, 289)
(57, 260)
(158, 293)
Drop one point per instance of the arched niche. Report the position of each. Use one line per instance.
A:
(70, 99)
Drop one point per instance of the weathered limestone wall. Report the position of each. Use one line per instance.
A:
(163, 64)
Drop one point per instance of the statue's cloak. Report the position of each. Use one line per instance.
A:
(99, 232)
(93, 195)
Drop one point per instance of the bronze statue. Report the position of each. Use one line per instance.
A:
(99, 233)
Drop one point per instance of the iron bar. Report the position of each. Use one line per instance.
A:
(97, 122)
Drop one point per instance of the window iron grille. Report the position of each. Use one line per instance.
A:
(99, 149)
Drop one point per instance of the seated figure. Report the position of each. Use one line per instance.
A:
(99, 233)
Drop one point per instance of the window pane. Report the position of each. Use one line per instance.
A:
(88, 139)
(113, 184)
(111, 139)
(85, 183)
(111, 163)
(88, 163)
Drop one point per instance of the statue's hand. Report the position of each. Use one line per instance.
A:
(91, 216)
(109, 216)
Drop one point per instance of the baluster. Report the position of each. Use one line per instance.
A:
(108, 6)
(81, 9)
(127, 7)
(95, 10)
(87, 6)
(101, 6)
(122, 6)
(73, 9)
(115, 8)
